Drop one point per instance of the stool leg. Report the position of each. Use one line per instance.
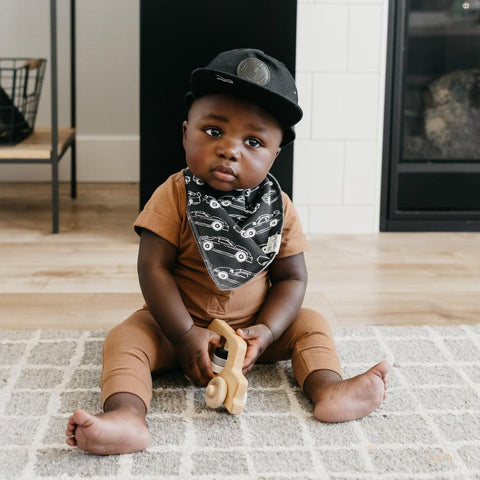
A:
(55, 196)
(73, 102)
(73, 178)
(54, 100)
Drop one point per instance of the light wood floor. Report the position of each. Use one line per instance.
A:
(85, 277)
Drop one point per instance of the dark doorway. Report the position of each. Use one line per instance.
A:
(431, 160)
(178, 36)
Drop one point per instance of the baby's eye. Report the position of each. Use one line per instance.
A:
(213, 132)
(253, 142)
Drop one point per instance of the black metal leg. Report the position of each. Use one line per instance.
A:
(73, 173)
(55, 199)
(54, 154)
(73, 103)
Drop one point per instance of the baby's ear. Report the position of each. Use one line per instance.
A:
(184, 131)
(278, 151)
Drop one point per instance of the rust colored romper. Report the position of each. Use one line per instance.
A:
(137, 347)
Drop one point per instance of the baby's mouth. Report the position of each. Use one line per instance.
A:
(221, 172)
(224, 169)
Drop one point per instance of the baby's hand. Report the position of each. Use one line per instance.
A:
(193, 353)
(258, 338)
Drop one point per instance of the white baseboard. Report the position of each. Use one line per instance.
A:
(100, 158)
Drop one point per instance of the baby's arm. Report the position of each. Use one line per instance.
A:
(288, 276)
(156, 260)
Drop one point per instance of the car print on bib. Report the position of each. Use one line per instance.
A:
(207, 220)
(261, 224)
(224, 246)
(235, 276)
(238, 203)
(194, 198)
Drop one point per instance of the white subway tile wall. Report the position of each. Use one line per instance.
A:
(340, 71)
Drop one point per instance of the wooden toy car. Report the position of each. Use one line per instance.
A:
(229, 387)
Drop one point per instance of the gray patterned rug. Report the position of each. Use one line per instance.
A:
(428, 428)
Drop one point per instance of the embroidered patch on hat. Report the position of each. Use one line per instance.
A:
(254, 70)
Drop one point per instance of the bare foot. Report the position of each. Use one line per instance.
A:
(357, 397)
(113, 432)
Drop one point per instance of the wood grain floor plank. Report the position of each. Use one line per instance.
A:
(85, 277)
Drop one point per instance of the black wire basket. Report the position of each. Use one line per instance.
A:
(21, 82)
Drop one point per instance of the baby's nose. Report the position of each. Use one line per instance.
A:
(229, 149)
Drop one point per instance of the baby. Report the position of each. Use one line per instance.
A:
(221, 240)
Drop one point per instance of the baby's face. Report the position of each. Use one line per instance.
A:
(230, 143)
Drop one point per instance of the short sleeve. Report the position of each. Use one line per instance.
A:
(293, 238)
(164, 213)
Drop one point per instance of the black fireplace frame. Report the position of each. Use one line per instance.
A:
(175, 38)
(391, 217)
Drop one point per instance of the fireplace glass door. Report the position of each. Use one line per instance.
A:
(432, 146)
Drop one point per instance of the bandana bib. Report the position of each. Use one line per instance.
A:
(239, 232)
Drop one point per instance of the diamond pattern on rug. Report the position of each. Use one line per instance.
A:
(427, 428)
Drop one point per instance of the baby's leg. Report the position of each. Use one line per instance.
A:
(121, 429)
(338, 400)
(131, 351)
(316, 366)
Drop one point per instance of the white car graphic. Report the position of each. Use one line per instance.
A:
(233, 202)
(261, 224)
(232, 275)
(212, 201)
(203, 218)
(194, 198)
(267, 197)
(226, 247)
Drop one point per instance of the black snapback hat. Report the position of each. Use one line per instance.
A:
(251, 74)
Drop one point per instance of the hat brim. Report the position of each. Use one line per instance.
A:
(205, 81)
